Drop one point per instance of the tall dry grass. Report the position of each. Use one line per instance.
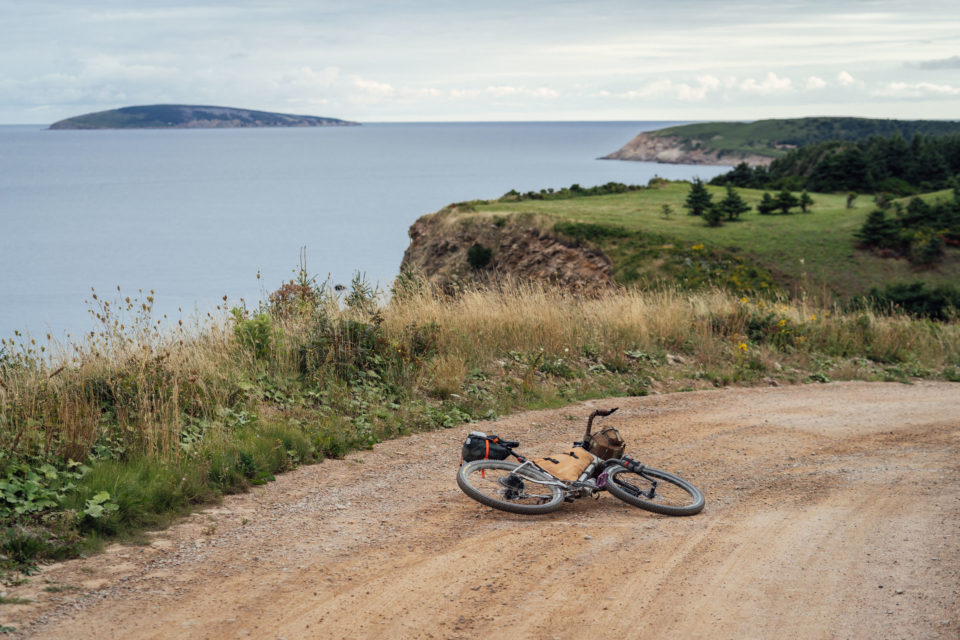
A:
(145, 390)
(713, 328)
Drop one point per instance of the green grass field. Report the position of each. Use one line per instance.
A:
(815, 251)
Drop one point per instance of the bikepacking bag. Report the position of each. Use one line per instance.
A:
(605, 444)
(567, 466)
(480, 446)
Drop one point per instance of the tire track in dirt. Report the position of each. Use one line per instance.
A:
(832, 512)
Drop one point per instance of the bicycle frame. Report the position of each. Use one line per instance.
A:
(578, 486)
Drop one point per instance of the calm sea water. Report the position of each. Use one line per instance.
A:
(196, 214)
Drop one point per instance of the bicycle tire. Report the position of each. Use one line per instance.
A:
(481, 481)
(675, 498)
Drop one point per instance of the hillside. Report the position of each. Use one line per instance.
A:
(179, 116)
(815, 252)
(759, 143)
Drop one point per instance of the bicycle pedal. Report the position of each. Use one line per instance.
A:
(568, 499)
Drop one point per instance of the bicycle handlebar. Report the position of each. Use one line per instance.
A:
(603, 413)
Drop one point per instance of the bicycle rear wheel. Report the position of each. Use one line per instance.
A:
(673, 495)
(503, 485)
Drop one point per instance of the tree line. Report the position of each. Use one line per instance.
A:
(877, 164)
(919, 231)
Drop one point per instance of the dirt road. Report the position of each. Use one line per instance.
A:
(832, 512)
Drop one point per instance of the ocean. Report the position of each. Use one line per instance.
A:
(197, 214)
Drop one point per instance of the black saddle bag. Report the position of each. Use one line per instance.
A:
(480, 446)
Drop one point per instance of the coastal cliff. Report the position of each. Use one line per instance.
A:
(456, 247)
(649, 147)
(759, 143)
(180, 116)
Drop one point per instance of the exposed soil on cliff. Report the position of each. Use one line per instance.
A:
(832, 512)
(440, 246)
(674, 150)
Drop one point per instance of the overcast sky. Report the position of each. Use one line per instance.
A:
(427, 60)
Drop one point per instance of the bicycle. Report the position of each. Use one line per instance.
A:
(528, 487)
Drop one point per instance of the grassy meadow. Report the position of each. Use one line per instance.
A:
(136, 424)
(813, 252)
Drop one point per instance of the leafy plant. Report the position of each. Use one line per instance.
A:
(97, 507)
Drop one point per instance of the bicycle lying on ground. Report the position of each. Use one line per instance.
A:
(595, 464)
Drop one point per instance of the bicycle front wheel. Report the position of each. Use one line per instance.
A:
(505, 486)
(673, 496)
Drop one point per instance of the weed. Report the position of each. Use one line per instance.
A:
(60, 588)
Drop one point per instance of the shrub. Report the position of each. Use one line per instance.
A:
(479, 256)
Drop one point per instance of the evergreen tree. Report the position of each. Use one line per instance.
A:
(805, 201)
(767, 204)
(740, 176)
(733, 205)
(713, 215)
(786, 201)
(699, 199)
(877, 230)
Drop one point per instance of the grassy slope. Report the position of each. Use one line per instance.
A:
(815, 250)
(760, 137)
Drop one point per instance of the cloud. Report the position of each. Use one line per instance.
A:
(771, 84)
(814, 83)
(916, 90)
(372, 87)
(683, 91)
(845, 79)
(505, 91)
(952, 62)
(306, 79)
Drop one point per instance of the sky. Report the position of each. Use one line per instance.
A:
(427, 60)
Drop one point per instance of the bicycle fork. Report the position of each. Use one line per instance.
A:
(636, 467)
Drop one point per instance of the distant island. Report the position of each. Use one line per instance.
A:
(760, 143)
(184, 116)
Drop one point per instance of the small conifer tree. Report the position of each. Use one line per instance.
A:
(877, 230)
(713, 216)
(733, 205)
(767, 204)
(786, 201)
(805, 201)
(699, 199)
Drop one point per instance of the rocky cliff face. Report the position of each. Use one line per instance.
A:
(440, 251)
(676, 150)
